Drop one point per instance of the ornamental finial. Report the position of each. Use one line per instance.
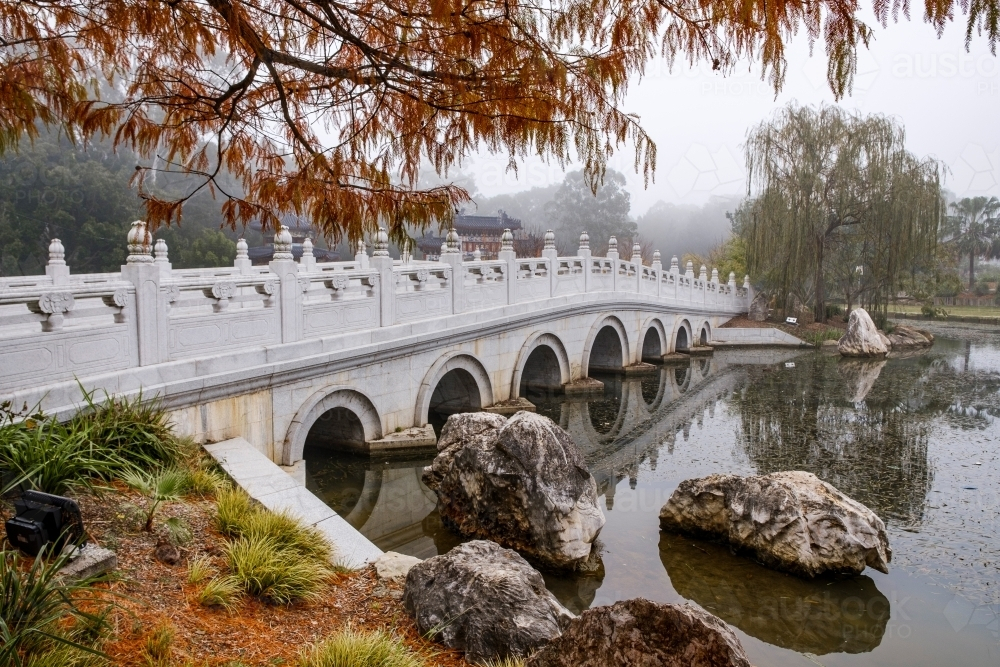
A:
(140, 244)
(283, 243)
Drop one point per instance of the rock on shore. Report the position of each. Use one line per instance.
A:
(903, 336)
(790, 521)
(520, 482)
(485, 600)
(862, 339)
(640, 633)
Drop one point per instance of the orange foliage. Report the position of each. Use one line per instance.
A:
(328, 108)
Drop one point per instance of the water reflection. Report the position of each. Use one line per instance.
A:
(869, 428)
(818, 616)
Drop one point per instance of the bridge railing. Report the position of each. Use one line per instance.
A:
(59, 326)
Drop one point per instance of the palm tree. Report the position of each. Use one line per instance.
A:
(974, 229)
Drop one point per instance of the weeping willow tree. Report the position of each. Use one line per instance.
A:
(835, 193)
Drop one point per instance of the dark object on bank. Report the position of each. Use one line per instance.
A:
(42, 519)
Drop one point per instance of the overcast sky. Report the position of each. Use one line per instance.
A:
(947, 99)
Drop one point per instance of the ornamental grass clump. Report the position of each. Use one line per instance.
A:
(35, 606)
(272, 555)
(136, 429)
(355, 648)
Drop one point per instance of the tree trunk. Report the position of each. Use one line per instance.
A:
(820, 309)
(972, 271)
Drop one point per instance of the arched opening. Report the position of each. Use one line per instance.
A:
(542, 377)
(606, 353)
(682, 340)
(704, 335)
(456, 391)
(338, 419)
(652, 351)
(337, 428)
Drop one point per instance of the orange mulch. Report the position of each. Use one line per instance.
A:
(152, 594)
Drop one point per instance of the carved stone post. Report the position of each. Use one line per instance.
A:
(550, 253)
(584, 253)
(150, 305)
(56, 269)
(451, 255)
(289, 290)
(657, 270)
(361, 256)
(382, 262)
(242, 261)
(613, 256)
(637, 260)
(308, 261)
(162, 260)
(508, 255)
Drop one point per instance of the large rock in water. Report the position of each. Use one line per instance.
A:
(521, 482)
(791, 521)
(640, 633)
(905, 337)
(485, 600)
(862, 339)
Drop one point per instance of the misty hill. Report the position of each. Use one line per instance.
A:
(676, 229)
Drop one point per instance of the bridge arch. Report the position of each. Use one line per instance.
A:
(682, 336)
(465, 369)
(556, 351)
(608, 344)
(653, 339)
(704, 333)
(331, 401)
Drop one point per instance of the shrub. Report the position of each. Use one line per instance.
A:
(273, 572)
(222, 592)
(137, 429)
(932, 311)
(51, 457)
(33, 602)
(164, 486)
(353, 648)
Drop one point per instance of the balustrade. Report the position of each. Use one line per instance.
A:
(60, 324)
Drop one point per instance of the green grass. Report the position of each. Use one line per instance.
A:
(272, 572)
(199, 569)
(817, 337)
(103, 441)
(272, 555)
(33, 602)
(355, 648)
(222, 591)
(232, 506)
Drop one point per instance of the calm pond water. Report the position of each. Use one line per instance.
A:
(916, 439)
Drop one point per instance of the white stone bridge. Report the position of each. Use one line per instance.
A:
(362, 353)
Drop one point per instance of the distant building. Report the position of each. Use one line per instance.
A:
(476, 231)
(260, 255)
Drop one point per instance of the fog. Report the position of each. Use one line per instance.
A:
(947, 99)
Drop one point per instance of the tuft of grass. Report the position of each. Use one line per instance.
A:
(817, 337)
(232, 507)
(509, 661)
(138, 429)
(199, 569)
(224, 591)
(34, 605)
(287, 532)
(157, 647)
(54, 458)
(354, 648)
(273, 572)
(207, 482)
